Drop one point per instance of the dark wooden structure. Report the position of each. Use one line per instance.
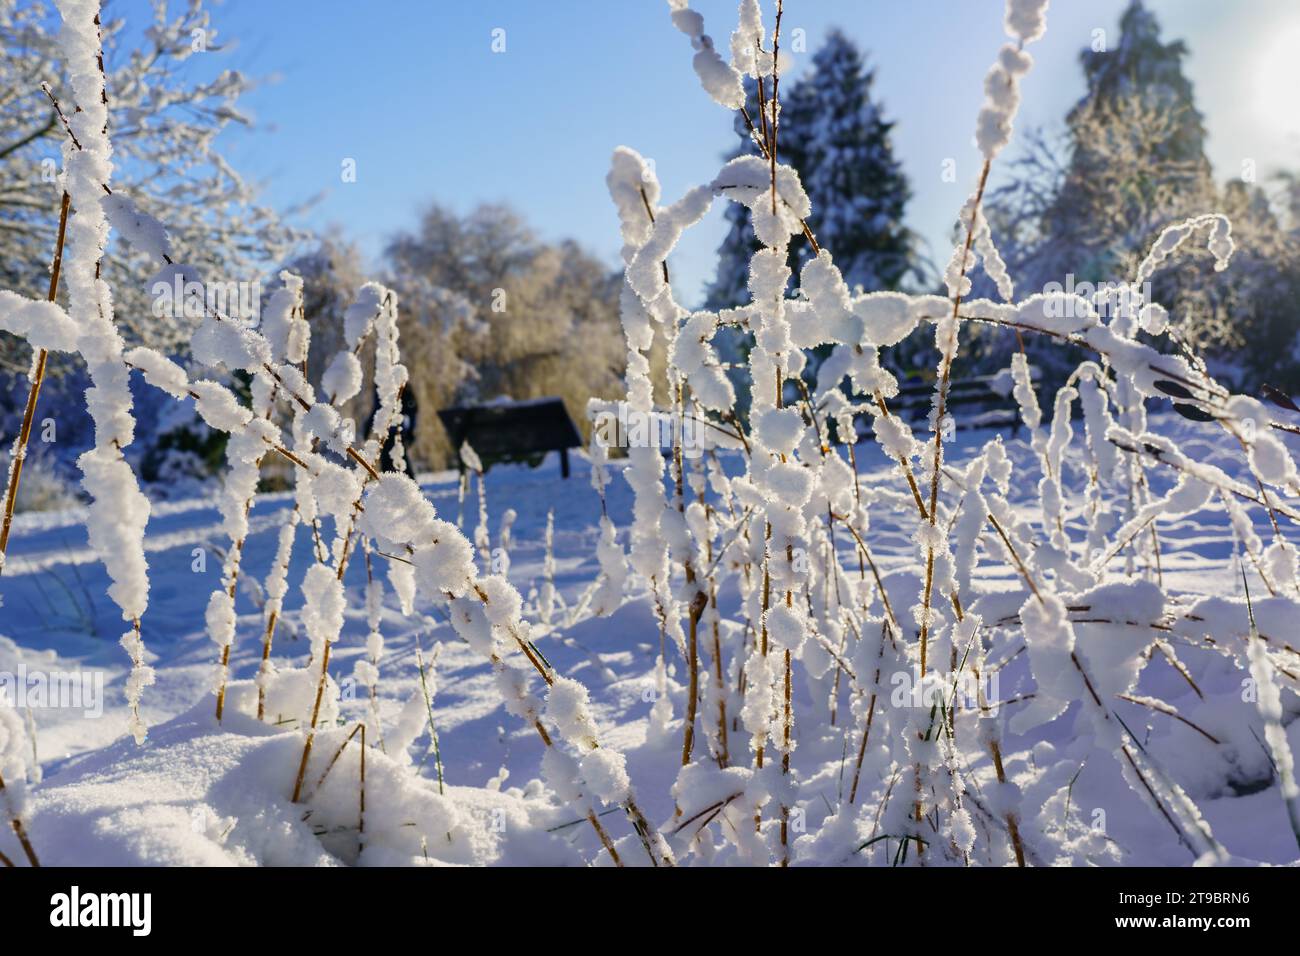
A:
(514, 431)
(982, 402)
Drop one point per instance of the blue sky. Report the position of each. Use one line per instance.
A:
(412, 90)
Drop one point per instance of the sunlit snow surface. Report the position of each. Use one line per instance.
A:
(199, 793)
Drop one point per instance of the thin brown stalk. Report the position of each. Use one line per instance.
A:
(38, 377)
(639, 822)
(266, 656)
(644, 831)
(776, 96)
(315, 716)
(361, 810)
(762, 144)
(871, 713)
(941, 400)
(428, 708)
(604, 839)
(723, 756)
(221, 690)
(1179, 666)
(1263, 502)
(1013, 827)
(904, 464)
(1163, 708)
(20, 831)
(238, 551)
(785, 765)
(780, 390)
(337, 754)
(862, 748)
(693, 663)
(1259, 484)
(645, 201)
(995, 748)
(64, 119)
(1122, 545)
(1024, 571)
(1182, 838)
(697, 605)
(865, 553)
(1155, 545)
(369, 468)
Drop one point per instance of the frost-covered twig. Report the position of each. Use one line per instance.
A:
(13, 768)
(118, 510)
(50, 322)
(1269, 702)
(427, 694)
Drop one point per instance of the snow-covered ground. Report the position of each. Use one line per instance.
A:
(201, 793)
(1095, 686)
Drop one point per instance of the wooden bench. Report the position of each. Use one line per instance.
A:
(982, 402)
(513, 431)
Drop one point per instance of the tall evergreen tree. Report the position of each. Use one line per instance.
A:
(1088, 204)
(1131, 161)
(1145, 65)
(1137, 150)
(857, 187)
(835, 137)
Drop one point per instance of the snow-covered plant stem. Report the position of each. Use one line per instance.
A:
(1056, 661)
(268, 639)
(721, 749)
(993, 131)
(1269, 702)
(324, 597)
(375, 309)
(991, 734)
(290, 338)
(680, 543)
(16, 822)
(14, 768)
(698, 600)
(471, 462)
(245, 452)
(118, 510)
(338, 490)
(546, 594)
(428, 707)
(37, 377)
(366, 671)
(947, 353)
(787, 712)
(276, 588)
(359, 729)
(485, 611)
(311, 729)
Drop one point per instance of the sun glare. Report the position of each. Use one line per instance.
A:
(1277, 81)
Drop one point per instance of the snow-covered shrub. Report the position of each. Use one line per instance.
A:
(930, 780)
(43, 487)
